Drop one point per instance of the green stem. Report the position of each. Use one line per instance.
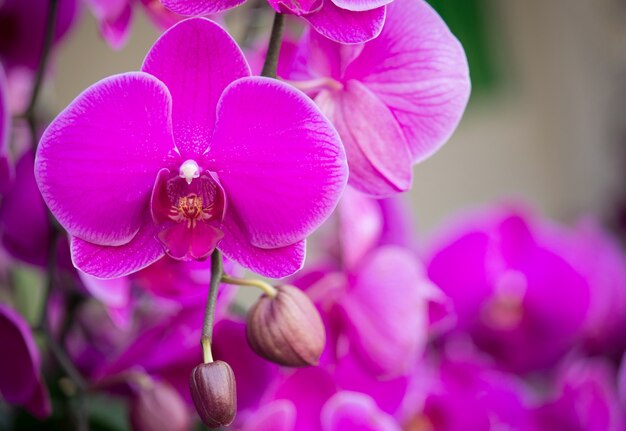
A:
(273, 49)
(29, 114)
(217, 270)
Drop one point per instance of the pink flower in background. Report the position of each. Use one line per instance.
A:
(395, 100)
(114, 17)
(187, 155)
(22, 27)
(601, 260)
(459, 389)
(583, 398)
(20, 380)
(5, 121)
(344, 21)
(512, 291)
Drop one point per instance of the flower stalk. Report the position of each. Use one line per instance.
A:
(273, 49)
(217, 271)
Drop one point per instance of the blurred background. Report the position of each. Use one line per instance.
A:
(546, 119)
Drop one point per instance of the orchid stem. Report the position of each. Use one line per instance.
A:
(217, 270)
(273, 49)
(265, 287)
(29, 114)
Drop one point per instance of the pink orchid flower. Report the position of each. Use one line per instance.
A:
(190, 154)
(344, 21)
(395, 100)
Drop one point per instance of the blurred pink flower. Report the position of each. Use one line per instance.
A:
(20, 364)
(394, 100)
(114, 18)
(344, 21)
(583, 398)
(189, 154)
(512, 290)
(22, 29)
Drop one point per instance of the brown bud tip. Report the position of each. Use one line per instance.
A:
(158, 407)
(286, 328)
(214, 393)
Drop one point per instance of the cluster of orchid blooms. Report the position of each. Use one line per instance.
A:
(146, 200)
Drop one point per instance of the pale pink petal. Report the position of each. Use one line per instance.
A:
(114, 19)
(361, 224)
(113, 262)
(296, 7)
(385, 311)
(196, 59)
(113, 292)
(354, 411)
(200, 7)
(345, 26)
(96, 163)
(279, 160)
(273, 263)
(278, 415)
(378, 154)
(360, 5)
(419, 70)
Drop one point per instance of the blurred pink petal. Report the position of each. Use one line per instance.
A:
(354, 411)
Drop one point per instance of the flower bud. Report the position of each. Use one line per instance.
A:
(159, 407)
(286, 328)
(214, 393)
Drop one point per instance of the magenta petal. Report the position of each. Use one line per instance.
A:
(117, 261)
(345, 26)
(385, 311)
(196, 59)
(190, 244)
(200, 7)
(279, 160)
(354, 411)
(23, 216)
(278, 415)
(419, 70)
(273, 263)
(97, 161)
(360, 5)
(19, 364)
(378, 154)
(39, 404)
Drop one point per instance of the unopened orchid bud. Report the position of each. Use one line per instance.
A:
(286, 328)
(214, 393)
(158, 407)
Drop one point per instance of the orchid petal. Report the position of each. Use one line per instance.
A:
(279, 160)
(378, 154)
(273, 263)
(117, 261)
(200, 7)
(345, 26)
(419, 70)
(354, 411)
(97, 161)
(278, 415)
(360, 5)
(196, 59)
(385, 311)
(19, 365)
